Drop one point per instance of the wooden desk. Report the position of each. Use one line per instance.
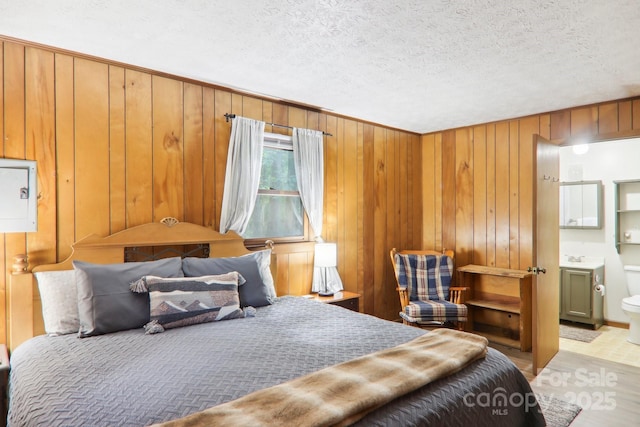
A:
(499, 302)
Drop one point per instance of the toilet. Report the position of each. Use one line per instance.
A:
(631, 305)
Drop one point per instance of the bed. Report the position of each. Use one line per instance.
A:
(108, 375)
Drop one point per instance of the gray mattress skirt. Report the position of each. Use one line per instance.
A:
(132, 379)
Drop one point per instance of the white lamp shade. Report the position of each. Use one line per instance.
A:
(325, 255)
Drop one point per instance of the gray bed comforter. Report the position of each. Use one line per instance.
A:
(132, 379)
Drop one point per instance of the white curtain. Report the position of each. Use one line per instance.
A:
(242, 178)
(308, 157)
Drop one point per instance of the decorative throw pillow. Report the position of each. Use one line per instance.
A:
(105, 303)
(258, 290)
(176, 302)
(59, 297)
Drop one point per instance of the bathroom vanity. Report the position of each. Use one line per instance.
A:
(580, 300)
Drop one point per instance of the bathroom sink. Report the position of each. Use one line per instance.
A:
(586, 264)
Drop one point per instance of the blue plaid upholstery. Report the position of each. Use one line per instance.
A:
(427, 279)
(438, 311)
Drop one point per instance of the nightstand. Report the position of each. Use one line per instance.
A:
(346, 299)
(4, 383)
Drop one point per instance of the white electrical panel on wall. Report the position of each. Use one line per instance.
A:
(18, 196)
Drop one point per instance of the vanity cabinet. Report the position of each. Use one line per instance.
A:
(627, 220)
(579, 300)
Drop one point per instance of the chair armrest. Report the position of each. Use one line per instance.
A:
(457, 294)
(404, 297)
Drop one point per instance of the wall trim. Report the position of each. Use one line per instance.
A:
(622, 325)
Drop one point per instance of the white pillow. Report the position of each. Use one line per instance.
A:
(264, 267)
(59, 297)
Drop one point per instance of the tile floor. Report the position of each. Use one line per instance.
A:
(611, 345)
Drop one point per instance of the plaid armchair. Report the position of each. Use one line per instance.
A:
(424, 286)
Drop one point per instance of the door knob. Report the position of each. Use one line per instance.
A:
(536, 270)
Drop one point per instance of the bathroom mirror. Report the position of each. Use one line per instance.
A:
(581, 204)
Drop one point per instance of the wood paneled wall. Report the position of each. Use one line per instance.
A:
(478, 181)
(118, 146)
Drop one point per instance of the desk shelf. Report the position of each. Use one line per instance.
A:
(499, 304)
(509, 307)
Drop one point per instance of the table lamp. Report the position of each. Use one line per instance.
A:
(325, 258)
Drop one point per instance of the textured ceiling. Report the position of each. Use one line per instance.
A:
(418, 65)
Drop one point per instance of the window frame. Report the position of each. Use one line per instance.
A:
(282, 142)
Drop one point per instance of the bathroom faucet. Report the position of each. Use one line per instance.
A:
(572, 258)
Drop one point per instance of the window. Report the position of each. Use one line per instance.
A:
(278, 212)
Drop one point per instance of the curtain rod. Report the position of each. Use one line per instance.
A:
(228, 117)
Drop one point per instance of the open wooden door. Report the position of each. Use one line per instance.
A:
(546, 251)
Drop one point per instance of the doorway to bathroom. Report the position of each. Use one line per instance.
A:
(606, 162)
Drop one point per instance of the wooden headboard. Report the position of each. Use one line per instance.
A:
(24, 319)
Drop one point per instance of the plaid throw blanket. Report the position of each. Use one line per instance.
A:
(344, 393)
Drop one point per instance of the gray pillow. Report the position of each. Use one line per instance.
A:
(255, 292)
(105, 303)
(59, 299)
